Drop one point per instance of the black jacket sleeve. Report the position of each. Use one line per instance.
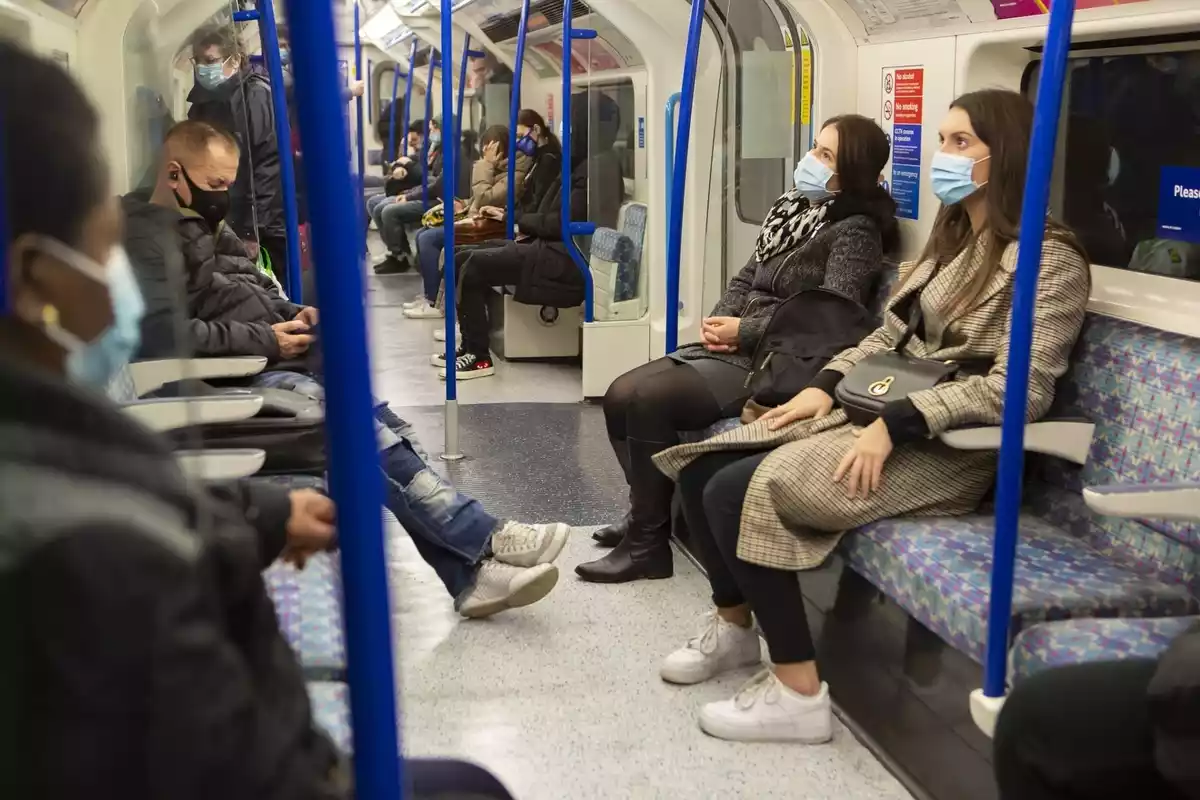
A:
(136, 674)
(266, 507)
(164, 295)
(230, 246)
(264, 156)
(546, 222)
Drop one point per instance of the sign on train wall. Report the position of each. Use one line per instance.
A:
(902, 117)
(1010, 9)
(1179, 204)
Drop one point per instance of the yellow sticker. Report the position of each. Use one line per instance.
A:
(805, 85)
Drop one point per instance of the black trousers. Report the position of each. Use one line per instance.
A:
(714, 490)
(1080, 732)
(478, 271)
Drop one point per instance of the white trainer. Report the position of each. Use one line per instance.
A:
(499, 587)
(765, 710)
(720, 647)
(424, 310)
(416, 301)
(526, 545)
(439, 334)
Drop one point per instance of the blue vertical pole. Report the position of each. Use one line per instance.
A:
(572, 229)
(449, 173)
(391, 151)
(679, 179)
(408, 92)
(428, 130)
(514, 111)
(1016, 389)
(669, 147)
(358, 106)
(468, 53)
(283, 139)
(355, 479)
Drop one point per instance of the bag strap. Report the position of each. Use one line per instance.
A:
(917, 314)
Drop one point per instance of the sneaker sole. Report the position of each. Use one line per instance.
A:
(471, 375)
(437, 360)
(684, 678)
(411, 314)
(735, 734)
(535, 583)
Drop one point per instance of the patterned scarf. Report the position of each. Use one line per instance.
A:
(790, 222)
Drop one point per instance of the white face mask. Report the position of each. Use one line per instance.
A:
(97, 362)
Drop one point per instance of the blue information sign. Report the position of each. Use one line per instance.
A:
(906, 170)
(1179, 204)
(641, 133)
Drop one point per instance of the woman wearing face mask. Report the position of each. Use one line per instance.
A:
(774, 497)
(231, 97)
(830, 231)
(127, 676)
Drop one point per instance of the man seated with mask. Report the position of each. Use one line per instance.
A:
(177, 241)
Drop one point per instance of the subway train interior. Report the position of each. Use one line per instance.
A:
(620, 168)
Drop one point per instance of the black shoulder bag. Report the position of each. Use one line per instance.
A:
(890, 376)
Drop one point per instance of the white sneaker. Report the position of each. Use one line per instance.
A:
(765, 710)
(424, 310)
(720, 647)
(439, 333)
(438, 359)
(527, 545)
(416, 301)
(499, 587)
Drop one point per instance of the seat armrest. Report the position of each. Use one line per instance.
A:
(169, 414)
(154, 374)
(220, 465)
(1069, 439)
(1169, 501)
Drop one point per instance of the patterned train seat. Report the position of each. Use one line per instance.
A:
(1077, 641)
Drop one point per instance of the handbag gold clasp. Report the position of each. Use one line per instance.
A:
(880, 388)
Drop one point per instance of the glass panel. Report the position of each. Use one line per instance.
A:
(72, 7)
(1128, 172)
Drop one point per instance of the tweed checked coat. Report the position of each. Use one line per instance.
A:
(794, 514)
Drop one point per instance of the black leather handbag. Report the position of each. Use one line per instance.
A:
(890, 376)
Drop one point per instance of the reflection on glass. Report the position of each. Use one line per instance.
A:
(72, 7)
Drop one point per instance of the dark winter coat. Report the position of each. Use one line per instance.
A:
(143, 657)
(201, 284)
(242, 106)
(1175, 712)
(845, 256)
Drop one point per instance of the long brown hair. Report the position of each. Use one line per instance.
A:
(1003, 120)
(863, 152)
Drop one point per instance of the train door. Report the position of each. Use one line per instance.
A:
(763, 124)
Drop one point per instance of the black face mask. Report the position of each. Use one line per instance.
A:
(212, 206)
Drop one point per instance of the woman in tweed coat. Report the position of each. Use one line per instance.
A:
(830, 231)
(774, 497)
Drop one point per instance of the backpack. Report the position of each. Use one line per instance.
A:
(804, 333)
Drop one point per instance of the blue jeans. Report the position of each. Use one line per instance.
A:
(394, 218)
(375, 205)
(451, 531)
(430, 242)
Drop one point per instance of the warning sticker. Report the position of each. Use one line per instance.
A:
(902, 116)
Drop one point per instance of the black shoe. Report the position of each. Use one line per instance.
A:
(392, 265)
(613, 534)
(635, 558)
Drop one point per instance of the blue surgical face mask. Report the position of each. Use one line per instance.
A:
(952, 177)
(812, 178)
(96, 363)
(527, 145)
(285, 56)
(210, 76)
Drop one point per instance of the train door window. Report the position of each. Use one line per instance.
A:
(1128, 165)
(148, 89)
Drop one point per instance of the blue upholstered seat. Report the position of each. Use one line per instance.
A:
(1077, 641)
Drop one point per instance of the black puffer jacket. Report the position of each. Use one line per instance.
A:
(230, 306)
(551, 277)
(242, 105)
(1175, 711)
(144, 659)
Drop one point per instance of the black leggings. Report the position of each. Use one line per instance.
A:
(653, 402)
(714, 490)
(1080, 732)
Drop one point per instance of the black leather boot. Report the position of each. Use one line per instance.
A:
(645, 550)
(612, 535)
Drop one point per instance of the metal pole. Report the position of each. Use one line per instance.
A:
(669, 146)
(679, 181)
(572, 229)
(391, 152)
(265, 16)
(408, 91)
(355, 479)
(450, 129)
(1016, 389)
(358, 107)
(514, 111)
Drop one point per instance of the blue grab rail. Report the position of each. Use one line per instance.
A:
(678, 181)
(669, 140)
(428, 130)
(355, 479)
(358, 107)
(269, 33)
(572, 229)
(468, 54)
(391, 152)
(408, 92)
(1016, 389)
(450, 138)
(514, 111)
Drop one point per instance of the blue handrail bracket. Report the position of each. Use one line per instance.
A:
(570, 34)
